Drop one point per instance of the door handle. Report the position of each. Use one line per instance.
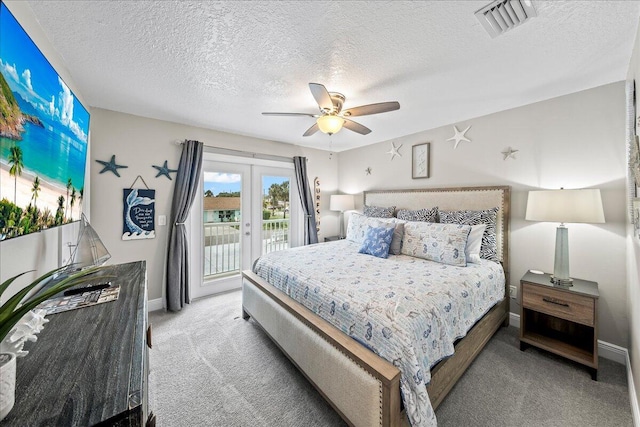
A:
(248, 233)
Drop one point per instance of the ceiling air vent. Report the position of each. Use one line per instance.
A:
(502, 15)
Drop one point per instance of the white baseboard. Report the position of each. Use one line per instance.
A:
(156, 304)
(514, 320)
(607, 350)
(613, 352)
(633, 397)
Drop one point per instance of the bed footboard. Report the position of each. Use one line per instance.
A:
(361, 386)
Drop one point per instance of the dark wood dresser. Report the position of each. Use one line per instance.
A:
(89, 366)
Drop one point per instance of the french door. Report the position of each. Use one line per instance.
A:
(246, 210)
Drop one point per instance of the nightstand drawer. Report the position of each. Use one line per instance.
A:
(569, 306)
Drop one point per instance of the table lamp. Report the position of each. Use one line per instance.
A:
(342, 203)
(564, 206)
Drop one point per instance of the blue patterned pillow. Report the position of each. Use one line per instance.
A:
(377, 241)
(378, 211)
(427, 215)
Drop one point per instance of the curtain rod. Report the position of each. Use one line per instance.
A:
(240, 153)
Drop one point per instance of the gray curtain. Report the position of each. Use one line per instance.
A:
(306, 197)
(184, 193)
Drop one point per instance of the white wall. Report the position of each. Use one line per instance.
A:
(573, 141)
(633, 247)
(45, 250)
(140, 143)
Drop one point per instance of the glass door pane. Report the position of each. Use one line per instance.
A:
(276, 213)
(222, 216)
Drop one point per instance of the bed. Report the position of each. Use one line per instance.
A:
(360, 377)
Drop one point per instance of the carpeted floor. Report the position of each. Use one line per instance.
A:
(208, 367)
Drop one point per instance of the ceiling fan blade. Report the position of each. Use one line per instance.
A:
(290, 114)
(356, 127)
(321, 95)
(313, 129)
(364, 110)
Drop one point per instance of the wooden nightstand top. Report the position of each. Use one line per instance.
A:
(583, 287)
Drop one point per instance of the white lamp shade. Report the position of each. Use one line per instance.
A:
(330, 124)
(570, 206)
(341, 202)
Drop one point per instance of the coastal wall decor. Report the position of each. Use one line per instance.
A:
(111, 166)
(367, 171)
(509, 153)
(316, 192)
(459, 136)
(164, 170)
(43, 138)
(139, 212)
(420, 154)
(394, 150)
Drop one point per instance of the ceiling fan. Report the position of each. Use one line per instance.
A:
(331, 118)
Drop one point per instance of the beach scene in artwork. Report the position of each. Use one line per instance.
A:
(43, 138)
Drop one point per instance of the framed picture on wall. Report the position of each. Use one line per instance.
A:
(420, 160)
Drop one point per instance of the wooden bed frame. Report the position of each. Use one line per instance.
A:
(281, 317)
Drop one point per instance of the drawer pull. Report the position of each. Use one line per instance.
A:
(555, 301)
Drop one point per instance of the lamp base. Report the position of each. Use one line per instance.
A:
(562, 282)
(560, 275)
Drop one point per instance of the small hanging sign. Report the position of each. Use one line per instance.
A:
(139, 213)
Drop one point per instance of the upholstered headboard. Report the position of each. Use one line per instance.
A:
(458, 198)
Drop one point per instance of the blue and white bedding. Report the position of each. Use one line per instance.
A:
(407, 310)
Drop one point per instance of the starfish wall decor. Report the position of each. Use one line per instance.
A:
(394, 151)
(509, 152)
(459, 136)
(164, 170)
(111, 166)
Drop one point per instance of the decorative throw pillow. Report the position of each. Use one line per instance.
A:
(378, 211)
(398, 232)
(443, 243)
(357, 227)
(489, 246)
(474, 242)
(377, 241)
(427, 215)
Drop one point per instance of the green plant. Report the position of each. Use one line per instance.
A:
(21, 303)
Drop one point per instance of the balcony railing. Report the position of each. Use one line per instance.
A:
(222, 248)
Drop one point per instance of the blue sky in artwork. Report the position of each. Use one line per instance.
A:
(29, 74)
(227, 182)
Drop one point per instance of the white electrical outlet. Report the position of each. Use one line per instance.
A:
(513, 292)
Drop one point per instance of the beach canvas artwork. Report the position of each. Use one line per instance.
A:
(43, 138)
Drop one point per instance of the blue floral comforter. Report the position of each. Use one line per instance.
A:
(407, 310)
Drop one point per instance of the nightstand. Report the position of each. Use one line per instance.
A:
(332, 238)
(560, 319)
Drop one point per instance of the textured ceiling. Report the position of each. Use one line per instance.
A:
(218, 65)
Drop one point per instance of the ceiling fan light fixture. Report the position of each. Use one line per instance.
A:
(330, 124)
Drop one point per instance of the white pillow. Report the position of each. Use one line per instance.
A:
(444, 243)
(474, 241)
(357, 227)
